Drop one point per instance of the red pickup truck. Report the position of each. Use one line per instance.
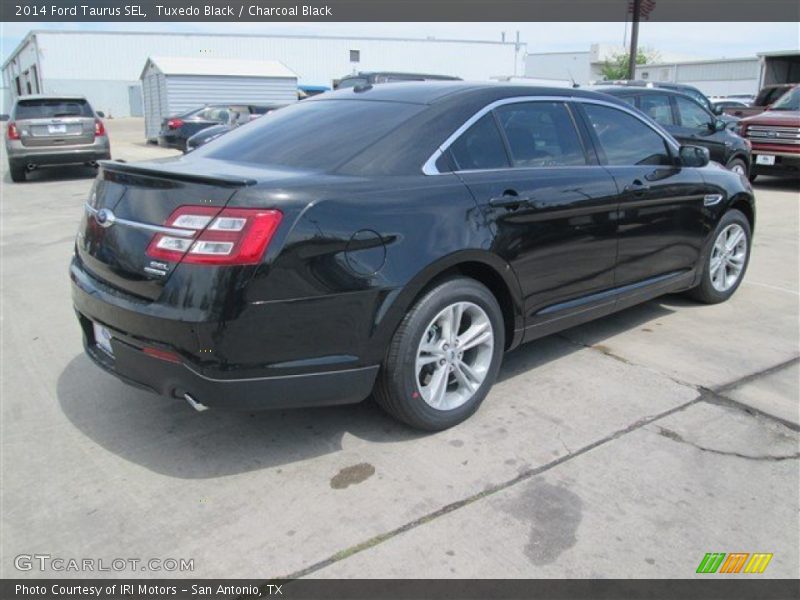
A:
(762, 102)
(775, 137)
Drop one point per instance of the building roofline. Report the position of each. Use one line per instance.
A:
(704, 61)
(34, 32)
(29, 36)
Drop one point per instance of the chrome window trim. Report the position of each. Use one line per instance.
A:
(185, 233)
(429, 168)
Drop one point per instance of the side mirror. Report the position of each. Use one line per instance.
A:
(101, 114)
(718, 110)
(694, 156)
(718, 125)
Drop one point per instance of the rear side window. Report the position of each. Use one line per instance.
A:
(541, 134)
(313, 134)
(657, 107)
(480, 147)
(51, 108)
(692, 114)
(624, 139)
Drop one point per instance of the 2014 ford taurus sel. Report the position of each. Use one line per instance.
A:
(395, 240)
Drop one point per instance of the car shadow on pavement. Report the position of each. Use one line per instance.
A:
(168, 437)
(65, 173)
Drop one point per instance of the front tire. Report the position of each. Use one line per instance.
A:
(444, 357)
(725, 262)
(737, 165)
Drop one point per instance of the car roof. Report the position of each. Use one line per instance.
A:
(50, 97)
(402, 73)
(431, 92)
(640, 90)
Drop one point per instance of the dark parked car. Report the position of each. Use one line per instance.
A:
(689, 123)
(176, 130)
(396, 240)
(367, 78)
(211, 133)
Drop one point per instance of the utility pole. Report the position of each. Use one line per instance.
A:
(637, 11)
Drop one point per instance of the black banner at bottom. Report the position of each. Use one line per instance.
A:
(731, 588)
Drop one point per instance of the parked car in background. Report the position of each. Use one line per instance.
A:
(176, 130)
(399, 238)
(720, 104)
(775, 136)
(689, 122)
(45, 130)
(764, 99)
(236, 119)
(365, 78)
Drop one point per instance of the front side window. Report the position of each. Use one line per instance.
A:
(624, 139)
(541, 134)
(692, 114)
(657, 107)
(480, 147)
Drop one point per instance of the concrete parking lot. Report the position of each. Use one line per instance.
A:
(629, 447)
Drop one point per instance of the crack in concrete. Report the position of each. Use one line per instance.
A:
(704, 395)
(448, 508)
(677, 437)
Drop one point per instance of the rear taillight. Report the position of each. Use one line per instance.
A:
(12, 132)
(174, 123)
(99, 128)
(235, 236)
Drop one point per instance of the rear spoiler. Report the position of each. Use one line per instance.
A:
(169, 172)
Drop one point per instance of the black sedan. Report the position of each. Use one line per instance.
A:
(690, 123)
(175, 131)
(396, 241)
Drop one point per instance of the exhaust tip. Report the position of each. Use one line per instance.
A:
(199, 407)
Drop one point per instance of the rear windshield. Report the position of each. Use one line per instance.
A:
(52, 107)
(314, 135)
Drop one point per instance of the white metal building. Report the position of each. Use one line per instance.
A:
(174, 85)
(719, 77)
(105, 66)
(725, 76)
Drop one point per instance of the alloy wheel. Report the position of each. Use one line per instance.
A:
(454, 355)
(728, 257)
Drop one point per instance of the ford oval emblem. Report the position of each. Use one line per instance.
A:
(105, 218)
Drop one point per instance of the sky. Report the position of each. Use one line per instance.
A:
(697, 40)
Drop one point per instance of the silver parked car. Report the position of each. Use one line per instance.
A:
(53, 130)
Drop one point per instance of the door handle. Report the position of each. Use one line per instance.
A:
(510, 200)
(637, 187)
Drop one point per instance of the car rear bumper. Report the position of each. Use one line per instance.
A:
(172, 141)
(210, 386)
(58, 155)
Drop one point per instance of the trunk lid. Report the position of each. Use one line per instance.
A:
(138, 199)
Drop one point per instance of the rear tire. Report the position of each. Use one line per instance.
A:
(436, 374)
(725, 261)
(17, 172)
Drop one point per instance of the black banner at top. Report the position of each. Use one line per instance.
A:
(232, 11)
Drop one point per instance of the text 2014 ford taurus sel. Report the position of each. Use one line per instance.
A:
(395, 240)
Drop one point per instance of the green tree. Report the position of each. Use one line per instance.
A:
(617, 66)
